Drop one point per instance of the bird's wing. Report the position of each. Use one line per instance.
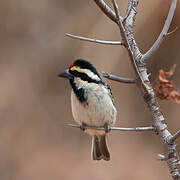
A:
(110, 91)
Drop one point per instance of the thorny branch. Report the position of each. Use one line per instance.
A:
(139, 64)
(138, 60)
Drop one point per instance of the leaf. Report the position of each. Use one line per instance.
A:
(165, 88)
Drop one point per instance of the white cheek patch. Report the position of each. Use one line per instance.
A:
(90, 74)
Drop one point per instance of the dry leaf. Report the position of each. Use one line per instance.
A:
(164, 88)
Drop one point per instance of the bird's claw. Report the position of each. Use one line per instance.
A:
(107, 128)
(83, 126)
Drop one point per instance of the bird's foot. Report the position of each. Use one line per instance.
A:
(107, 128)
(83, 126)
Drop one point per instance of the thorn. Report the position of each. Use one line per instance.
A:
(161, 157)
(171, 32)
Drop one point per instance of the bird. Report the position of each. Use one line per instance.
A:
(92, 104)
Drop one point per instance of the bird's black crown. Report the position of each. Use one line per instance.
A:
(83, 64)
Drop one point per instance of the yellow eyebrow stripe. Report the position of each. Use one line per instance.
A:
(88, 72)
(76, 68)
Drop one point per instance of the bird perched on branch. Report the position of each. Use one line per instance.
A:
(92, 104)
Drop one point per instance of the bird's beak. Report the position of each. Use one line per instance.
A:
(66, 74)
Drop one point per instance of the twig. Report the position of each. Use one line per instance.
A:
(106, 10)
(175, 136)
(95, 40)
(116, 128)
(163, 33)
(119, 79)
(120, 23)
(116, 9)
(161, 157)
(171, 32)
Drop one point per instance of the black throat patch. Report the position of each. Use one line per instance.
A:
(78, 92)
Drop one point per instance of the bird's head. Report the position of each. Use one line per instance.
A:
(83, 70)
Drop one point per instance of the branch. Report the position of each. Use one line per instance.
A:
(95, 40)
(116, 9)
(119, 79)
(175, 136)
(137, 60)
(131, 12)
(139, 64)
(128, 10)
(163, 33)
(120, 23)
(116, 128)
(106, 10)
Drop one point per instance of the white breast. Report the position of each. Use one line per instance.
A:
(99, 108)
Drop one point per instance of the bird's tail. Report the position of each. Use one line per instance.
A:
(99, 148)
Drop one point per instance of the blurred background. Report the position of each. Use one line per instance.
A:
(35, 142)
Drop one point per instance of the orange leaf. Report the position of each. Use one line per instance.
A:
(164, 88)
